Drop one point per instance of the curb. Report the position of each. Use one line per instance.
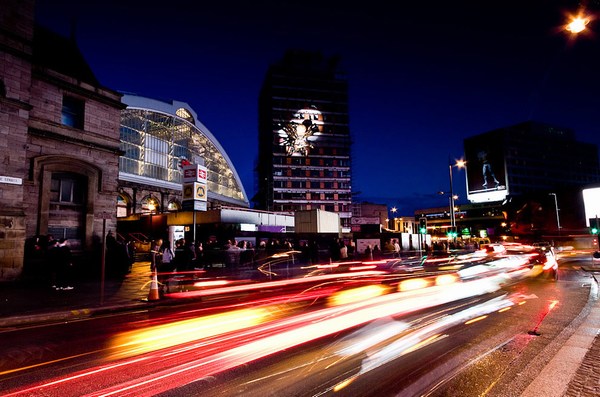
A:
(76, 314)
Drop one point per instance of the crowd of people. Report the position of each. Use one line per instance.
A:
(53, 260)
(233, 253)
(189, 256)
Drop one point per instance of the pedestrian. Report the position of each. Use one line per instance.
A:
(199, 254)
(376, 252)
(130, 254)
(343, 250)
(396, 248)
(183, 256)
(369, 253)
(167, 258)
(351, 249)
(155, 252)
(63, 265)
(232, 254)
(334, 250)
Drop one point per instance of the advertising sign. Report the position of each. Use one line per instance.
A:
(486, 169)
(365, 220)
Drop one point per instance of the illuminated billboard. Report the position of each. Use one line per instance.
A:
(591, 202)
(486, 169)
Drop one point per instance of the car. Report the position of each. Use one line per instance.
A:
(546, 257)
(542, 257)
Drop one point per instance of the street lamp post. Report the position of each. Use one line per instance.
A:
(394, 210)
(452, 218)
(556, 208)
(459, 164)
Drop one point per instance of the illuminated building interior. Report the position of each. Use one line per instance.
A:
(157, 138)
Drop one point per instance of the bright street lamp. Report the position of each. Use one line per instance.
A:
(394, 210)
(460, 164)
(577, 24)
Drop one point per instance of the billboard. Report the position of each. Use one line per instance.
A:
(591, 202)
(486, 169)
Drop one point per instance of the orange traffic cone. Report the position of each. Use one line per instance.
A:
(153, 294)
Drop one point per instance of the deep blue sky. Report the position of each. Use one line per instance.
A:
(423, 75)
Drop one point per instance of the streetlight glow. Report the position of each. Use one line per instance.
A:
(577, 25)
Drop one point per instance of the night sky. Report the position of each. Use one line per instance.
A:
(423, 75)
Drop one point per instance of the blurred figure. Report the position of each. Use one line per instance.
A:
(63, 265)
(334, 250)
(396, 248)
(155, 254)
(376, 252)
(167, 258)
(369, 253)
(343, 250)
(183, 256)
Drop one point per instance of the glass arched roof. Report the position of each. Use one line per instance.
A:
(156, 136)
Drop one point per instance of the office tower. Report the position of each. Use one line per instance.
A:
(304, 137)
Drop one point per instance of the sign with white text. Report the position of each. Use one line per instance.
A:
(194, 173)
(11, 180)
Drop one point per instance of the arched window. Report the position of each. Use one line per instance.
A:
(123, 205)
(174, 206)
(150, 205)
(185, 114)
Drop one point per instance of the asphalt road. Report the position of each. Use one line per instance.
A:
(496, 356)
(420, 350)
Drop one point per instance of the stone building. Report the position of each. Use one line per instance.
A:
(59, 144)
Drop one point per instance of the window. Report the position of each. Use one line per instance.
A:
(156, 151)
(173, 206)
(72, 112)
(122, 206)
(67, 188)
(150, 205)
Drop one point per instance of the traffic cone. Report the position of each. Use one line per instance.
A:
(153, 294)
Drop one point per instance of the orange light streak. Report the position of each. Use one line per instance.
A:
(474, 320)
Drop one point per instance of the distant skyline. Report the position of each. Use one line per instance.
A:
(422, 78)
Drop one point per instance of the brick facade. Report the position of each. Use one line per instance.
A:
(35, 145)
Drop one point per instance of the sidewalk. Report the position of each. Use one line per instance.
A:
(21, 303)
(574, 371)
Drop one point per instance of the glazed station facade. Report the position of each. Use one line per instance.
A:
(158, 139)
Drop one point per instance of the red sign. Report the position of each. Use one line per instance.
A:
(194, 173)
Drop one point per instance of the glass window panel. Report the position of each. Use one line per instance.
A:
(66, 190)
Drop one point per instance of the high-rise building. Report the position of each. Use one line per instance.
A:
(304, 137)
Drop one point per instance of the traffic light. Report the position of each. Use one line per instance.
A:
(452, 234)
(594, 227)
(423, 225)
